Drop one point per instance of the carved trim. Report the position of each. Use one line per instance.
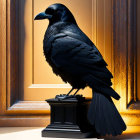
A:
(24, 121)
(30, 106)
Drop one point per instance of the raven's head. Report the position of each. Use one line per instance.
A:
(56, 13)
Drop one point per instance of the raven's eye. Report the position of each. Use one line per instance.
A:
(49, 11)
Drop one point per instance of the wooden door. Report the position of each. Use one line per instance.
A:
(26, 80)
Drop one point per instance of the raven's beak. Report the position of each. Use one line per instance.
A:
(42, 15)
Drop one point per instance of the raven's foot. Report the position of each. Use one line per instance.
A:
(64, 96)
(67, 96)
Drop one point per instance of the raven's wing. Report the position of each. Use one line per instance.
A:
(78, 58)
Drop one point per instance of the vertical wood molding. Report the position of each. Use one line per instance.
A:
(12, 48)
(33, 41)
(102, 28)
(94, 2)
(131, 51)
(135, 49)
(124, 43)
(100, 25)
(2, 56)
(108, 33)
(120, 49)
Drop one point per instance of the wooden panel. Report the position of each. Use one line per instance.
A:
(35, 74)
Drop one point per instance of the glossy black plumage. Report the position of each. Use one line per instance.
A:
(74, 57)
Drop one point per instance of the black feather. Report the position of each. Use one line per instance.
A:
(104, 116)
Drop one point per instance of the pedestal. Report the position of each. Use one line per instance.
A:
(69, 119)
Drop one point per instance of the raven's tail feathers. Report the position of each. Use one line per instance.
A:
(104, 116)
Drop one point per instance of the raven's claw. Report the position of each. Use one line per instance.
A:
(64, 96)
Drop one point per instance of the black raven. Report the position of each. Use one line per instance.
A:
(74, 57)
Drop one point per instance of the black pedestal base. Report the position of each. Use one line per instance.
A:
(67, 133)
(69, 119)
